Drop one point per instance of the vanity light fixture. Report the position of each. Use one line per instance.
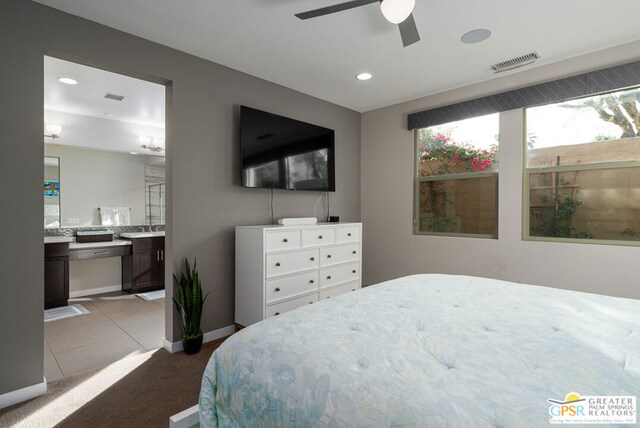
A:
(52, 131)
(67, 80)
(364, 76)
(151, 144)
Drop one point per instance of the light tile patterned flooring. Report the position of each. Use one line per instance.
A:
(119, 325)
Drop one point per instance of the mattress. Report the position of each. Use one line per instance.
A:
(425, 350)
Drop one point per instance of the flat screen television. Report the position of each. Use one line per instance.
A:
(282, 153)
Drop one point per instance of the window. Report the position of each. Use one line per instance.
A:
(456, 189)
(582, 176)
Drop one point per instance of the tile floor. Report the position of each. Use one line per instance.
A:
(119, 325)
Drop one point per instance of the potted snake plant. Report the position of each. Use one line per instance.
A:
(189, 302)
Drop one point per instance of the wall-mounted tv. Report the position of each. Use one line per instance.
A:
(282, 153)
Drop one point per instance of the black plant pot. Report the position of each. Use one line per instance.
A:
(192, 346)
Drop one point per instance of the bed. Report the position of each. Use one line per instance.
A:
(425, 350)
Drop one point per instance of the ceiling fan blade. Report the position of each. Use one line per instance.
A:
(335, 8)
(409, 31)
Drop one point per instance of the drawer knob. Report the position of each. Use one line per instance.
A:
(311, 281)
(328, 256)
(278, 264)
(353, 271)
(349, 234)
(310, 303)
(277, 313)
(353, 289)
(328, 276)
(285, 240)
(354, 251)
(320, 237)
(277, 288)
(312, 258)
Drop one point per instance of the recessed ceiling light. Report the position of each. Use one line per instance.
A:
(133, 153)
(67, 81)
(364, 76)
(475, 36)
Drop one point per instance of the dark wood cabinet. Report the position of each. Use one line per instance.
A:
(56, 275)
(144, 268)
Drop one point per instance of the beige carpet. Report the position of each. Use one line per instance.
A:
(138, 391)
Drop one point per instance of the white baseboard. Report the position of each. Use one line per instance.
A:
(208, 337)
(185, 419)
(92, 291)
(23, 394)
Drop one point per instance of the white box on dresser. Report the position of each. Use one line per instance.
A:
(280, 268)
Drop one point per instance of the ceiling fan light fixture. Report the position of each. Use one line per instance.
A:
(396, 11)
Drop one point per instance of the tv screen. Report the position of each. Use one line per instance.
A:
(282, 153)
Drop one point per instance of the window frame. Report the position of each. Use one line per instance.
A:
(417, 179)
(528, 171)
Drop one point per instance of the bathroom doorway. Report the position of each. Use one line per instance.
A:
(104, 217)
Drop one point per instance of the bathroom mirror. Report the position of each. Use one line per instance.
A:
(51, 192)
(86, 187)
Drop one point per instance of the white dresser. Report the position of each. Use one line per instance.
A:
(279, 268)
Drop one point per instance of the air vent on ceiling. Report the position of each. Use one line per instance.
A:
(513, 63)
(114, 97)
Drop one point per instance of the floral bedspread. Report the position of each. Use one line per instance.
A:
(425, 350)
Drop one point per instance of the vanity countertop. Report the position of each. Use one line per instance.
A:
(87, 245)
(135, 235)
(58, 239)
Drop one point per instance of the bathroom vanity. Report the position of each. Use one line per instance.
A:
(143, 268)
(56, 272)
(142, 262)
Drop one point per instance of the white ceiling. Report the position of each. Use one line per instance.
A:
(143, 103)
(321, 56)
(90, 120)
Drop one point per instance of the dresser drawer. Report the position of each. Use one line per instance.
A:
(339, 254)
(291, 262)
(347, 234)
(320, 236)
(290, 286)
(282, 240)
(280, 308)
(339, 289)
(338, 274)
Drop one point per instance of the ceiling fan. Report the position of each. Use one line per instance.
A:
(395, 11)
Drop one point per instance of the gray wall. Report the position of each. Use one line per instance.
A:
(391, 250)
(205, 201)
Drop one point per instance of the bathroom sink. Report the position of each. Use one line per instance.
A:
(134, 235)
